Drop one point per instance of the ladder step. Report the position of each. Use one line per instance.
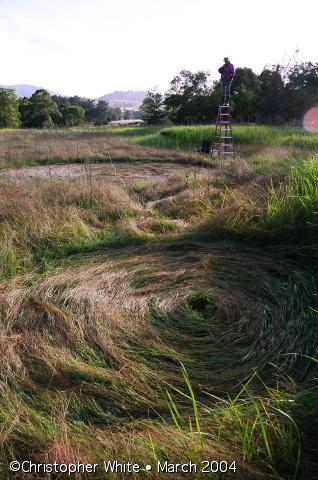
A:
(223, 153)
(224, 145)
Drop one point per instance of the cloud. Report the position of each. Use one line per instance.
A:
(75, 46)
(15, 28)
(42, 42)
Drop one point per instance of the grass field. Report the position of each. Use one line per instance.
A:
(187, 137)
(159, 305)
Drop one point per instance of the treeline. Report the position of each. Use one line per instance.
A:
(278, 95)
(42, 110)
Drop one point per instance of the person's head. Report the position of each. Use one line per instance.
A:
(226, 60)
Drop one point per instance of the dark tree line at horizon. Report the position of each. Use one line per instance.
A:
(42, 110)
(278, 95)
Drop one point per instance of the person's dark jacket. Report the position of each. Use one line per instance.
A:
(227, 72)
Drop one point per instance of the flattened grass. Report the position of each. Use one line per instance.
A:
(91, 351)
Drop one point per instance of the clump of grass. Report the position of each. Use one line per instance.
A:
(255, 426)
(134, 131)
(186, 205)
(154, 190)
(12, 259)
(295, 203)
(278, 209)
(163, 226)
(54, 219)
(309, 142)
(151, 192)
(237, 172)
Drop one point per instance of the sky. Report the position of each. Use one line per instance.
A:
(93, 47)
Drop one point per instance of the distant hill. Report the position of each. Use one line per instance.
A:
(124, 98)
(23, 90)
(119, 98)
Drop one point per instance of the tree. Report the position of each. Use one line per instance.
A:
(272, 96)
(152, 108)
(190, 98)
(9, 108)
(42, 111)
(127, 114)
(115, 114)
(301, 87)
(100, 114)
(137, 114)
(24, 110)
(72, 115)
(87, 104)
(245, 94)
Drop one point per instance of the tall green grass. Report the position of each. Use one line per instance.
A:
(295, 203)
(190, 136)
(260, 428)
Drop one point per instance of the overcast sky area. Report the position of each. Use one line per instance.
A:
(93, 47)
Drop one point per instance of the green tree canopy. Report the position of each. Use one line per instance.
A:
(87, 104)
(245, 93)
(127, 114)
(272, 96)
(190, 98)
(301, 87)
(115, 114)
(9, 108)
(72, 115)
(100, 114)
(42, 111)
(152, 108)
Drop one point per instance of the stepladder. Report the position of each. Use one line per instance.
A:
(223, 145)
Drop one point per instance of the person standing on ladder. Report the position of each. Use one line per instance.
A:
(227, 72)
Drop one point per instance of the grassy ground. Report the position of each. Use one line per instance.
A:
(165, 318)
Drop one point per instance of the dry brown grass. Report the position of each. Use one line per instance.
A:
(31, 147)
(43, 218)
(53, 216)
